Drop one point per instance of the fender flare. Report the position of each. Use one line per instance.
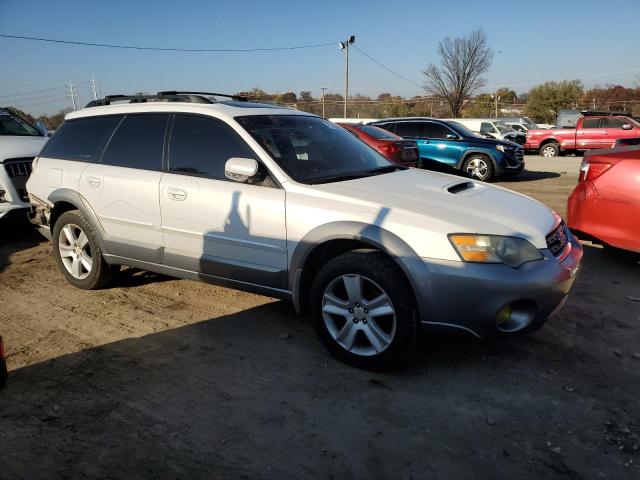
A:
(473, 151)
(370, 234)
(78, 201)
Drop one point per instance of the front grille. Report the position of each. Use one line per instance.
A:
(519, 154)
(18, 167)
(558, 241)
(19, 170)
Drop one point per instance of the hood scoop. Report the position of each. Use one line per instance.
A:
(460, 187)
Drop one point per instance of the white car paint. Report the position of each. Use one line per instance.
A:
(15, 147)
(412, 204)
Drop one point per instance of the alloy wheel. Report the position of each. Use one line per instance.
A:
(478, 168)
(75, 251)
(359, 315)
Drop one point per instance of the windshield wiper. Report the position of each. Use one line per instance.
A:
(385, 169)
(338, 178)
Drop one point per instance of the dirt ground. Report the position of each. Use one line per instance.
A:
(163, 378)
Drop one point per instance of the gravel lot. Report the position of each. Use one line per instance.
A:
(166, 378)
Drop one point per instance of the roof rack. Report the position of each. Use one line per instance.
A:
(169, 96)
(588, 113)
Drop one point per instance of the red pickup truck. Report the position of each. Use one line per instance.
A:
(591, 132)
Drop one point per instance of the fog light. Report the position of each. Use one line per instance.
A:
(2, 194)
(504, 315)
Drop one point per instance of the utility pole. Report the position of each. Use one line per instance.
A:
(496, 97)
(94, 88)
(345, 46)
(73, 94)
(323, 90)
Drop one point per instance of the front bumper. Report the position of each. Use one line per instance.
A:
(469, 296)
(8, 210)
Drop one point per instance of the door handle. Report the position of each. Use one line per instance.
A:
(94, 181)
(176, 194)
(424, 141)
(604, 132)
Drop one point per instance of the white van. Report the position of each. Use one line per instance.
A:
(492, 128)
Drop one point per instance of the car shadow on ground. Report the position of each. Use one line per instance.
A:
(528, 176)
(134, 277)
(254, 394)
(17, 235)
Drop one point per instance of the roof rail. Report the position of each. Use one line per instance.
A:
(170, 96)
(588, 113)
(208, 94)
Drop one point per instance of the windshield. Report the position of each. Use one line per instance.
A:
(462, 130)
(313, 150)
(14, 125)
(377, 132)
(502, 127)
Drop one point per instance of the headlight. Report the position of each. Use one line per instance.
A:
(500, 148)
(511, 251)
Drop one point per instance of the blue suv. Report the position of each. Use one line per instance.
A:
(452, 144)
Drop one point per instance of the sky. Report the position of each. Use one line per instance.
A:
(532, 41)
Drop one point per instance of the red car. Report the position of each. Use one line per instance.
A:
(605, 205)
(393, 147)
(591, 132)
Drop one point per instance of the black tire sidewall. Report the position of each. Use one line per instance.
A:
(393, 282)
(99, 269)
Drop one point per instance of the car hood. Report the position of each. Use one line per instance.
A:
(13, 146)
(428, 200)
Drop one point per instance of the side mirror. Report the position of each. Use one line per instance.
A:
(42, 128)
(627, 126)
(451, 136)
(240, 169)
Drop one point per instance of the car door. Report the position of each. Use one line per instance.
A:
(122, 188)
(212, 225)
(590, 135)
(613, 130)
(444, 145)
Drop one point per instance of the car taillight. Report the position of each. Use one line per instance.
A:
(389, 148)
(2, 353)
(590, 171)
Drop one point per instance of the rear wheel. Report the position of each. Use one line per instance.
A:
(364, 310)
(550, 150)
(479, 167)
(77, 252)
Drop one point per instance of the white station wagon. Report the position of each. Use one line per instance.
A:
(286, 204)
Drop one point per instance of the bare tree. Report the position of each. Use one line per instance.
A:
(463, 62)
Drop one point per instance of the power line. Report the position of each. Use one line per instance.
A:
(23, 94)
(387, 68)
(162, 49)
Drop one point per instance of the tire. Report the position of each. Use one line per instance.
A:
(82, 264)
(478, 167)
(347, 328)
(550, 150)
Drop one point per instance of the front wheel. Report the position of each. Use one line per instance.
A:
(363, 309)
(478, 167)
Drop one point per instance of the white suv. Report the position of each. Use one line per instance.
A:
(286, 204)
(20, 142)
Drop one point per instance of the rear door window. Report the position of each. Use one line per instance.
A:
(82, 139)
(409, 129)
(591, 123)
(138, 142)
(201, 146)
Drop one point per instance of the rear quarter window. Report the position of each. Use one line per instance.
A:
(82, 139)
